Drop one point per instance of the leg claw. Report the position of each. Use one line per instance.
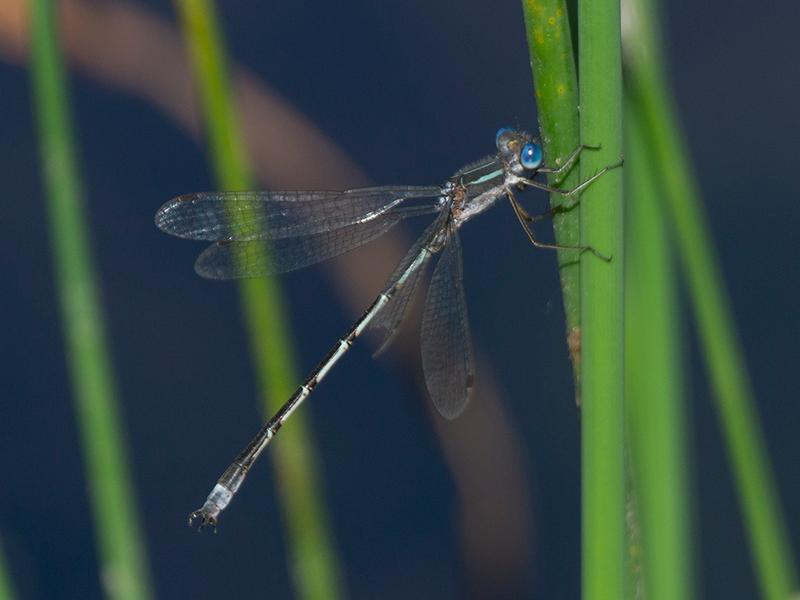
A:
(205, 520)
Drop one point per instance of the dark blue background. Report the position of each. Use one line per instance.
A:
(412, 90)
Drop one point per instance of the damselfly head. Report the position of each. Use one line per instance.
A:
(519, 151)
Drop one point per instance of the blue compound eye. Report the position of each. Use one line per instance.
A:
(500, 132)
(531, 156)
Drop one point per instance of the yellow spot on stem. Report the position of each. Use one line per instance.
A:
(535, 7)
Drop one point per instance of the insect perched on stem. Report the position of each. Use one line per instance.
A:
(306, 227)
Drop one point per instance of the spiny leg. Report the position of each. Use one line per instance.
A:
(578, 188)
(562, 208)
(568, 162)
(521, 216)
(549, 213)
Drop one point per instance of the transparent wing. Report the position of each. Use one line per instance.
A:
(446, 349)
(388, 320)
(233, 260)
(245, 216)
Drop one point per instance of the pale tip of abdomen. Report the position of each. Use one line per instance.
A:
(216, 502)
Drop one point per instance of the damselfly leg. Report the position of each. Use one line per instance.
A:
(526, 220)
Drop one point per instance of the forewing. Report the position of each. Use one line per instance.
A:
(247, 216)
(446, 348)
(234, 260)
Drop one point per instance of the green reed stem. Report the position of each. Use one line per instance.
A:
(124, 571)
(6, 590)
(602, 303)
(556, 86)
(654, 394)
(315, 566)
(772, 554)
(553, 65)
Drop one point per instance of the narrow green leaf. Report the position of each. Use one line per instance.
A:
(772, 554)
(6, 591)
(315, 567)
(654, 392)
(124, 572)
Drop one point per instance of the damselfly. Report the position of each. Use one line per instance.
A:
(305, 227)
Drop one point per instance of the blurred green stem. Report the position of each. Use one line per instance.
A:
(6, 591)
(602, 303)
(315, 566)
(124, 572)
(774, 562)
(654, 394)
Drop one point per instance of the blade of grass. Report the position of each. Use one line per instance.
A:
(772, 554)
(602, 303)
(315, 566)
(654, 394)
(124, 572)
(556, 84)
(6, 591)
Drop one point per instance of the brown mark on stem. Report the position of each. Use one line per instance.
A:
(574, 345)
